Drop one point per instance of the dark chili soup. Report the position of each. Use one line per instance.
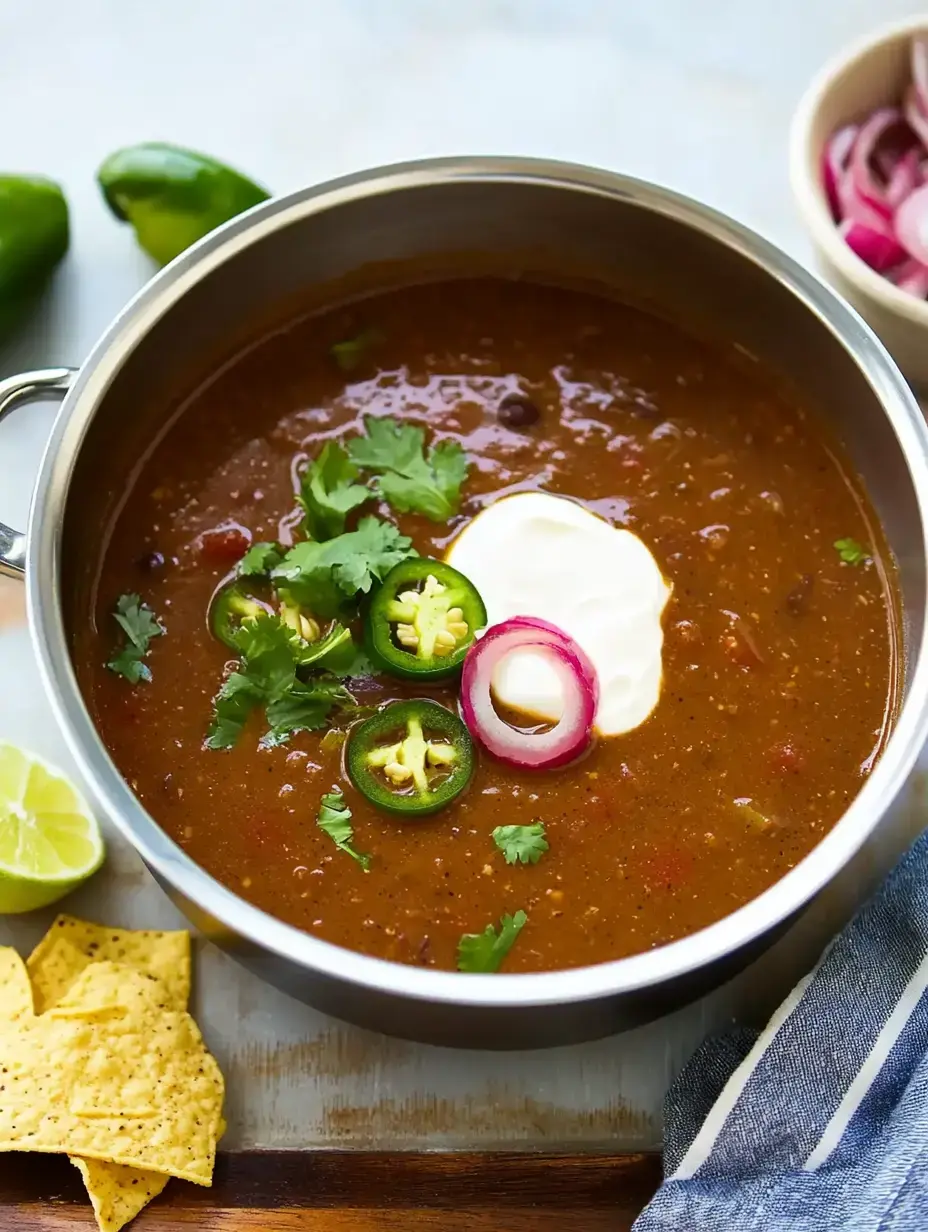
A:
(778, 663)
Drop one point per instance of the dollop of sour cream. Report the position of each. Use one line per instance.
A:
(534, 554)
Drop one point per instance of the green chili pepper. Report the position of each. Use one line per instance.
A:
(243, 600)
(335, 651)
(412, 758)
(423, 620)
(230, 606)
(172, 196)
(33, 239)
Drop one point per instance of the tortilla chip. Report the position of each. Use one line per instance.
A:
(108, 1075)
(54, 971)
(15, 990)
(166, 955)
(106, 989)
(117, 1193)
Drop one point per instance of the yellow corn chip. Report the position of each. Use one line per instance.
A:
(109, 1076)
(15, 992)
(165, 955)
(54, 971)
(117, 1193)
(105, 989)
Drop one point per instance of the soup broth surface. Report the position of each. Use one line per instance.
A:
(778, 675)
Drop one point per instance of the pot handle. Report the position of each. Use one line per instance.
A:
(27, 387)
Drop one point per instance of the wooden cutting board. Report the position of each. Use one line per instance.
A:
(353, 1191)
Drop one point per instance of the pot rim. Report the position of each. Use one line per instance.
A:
(762, 914)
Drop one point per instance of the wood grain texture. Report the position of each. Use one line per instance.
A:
(350, 1191)
(60, 1219)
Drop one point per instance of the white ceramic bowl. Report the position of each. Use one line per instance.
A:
(869, 74)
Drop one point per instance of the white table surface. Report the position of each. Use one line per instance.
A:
(696, 94)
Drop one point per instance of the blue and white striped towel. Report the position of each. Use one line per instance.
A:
(821, 1121)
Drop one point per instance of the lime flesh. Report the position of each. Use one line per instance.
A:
(49, 839)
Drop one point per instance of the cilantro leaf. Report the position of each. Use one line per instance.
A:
(484, 952)
(410, 480)
(232, 705)
(140, 626)
(323, 576)
(268, 671)
(128, 662)
(267, 648)
(376, 547)
(521, 844)
(851, 552)
(349, 353)
(328, 492)
(259, 560)
(304, 707)
(137, 621)
(270, 654)
(335, 819)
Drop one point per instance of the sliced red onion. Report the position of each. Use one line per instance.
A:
(862, 161)
(544, 626)
(855, 209)
(875, 177)
(920, 74)
(835, 162)
(912, 224)
(573, 731)
(558, 635)
(877, 247)
(916, 118)
(905, 177)
(911, 276)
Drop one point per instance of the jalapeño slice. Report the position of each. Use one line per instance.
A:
(240, 601)
(230, 606)
(423, 619)
(412, 758)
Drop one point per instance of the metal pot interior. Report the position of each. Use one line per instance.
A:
(529, 220)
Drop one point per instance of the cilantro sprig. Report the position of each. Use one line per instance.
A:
(305, 706)
(324, 576)
(259, 560)
(409, 478)
(267, 677)
(329, 572)
(481, 953)
(521, 844)
(851, 552)
(328, 492)
(141, 626)
(335, 819)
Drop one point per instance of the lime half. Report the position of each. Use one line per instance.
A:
(49, 840)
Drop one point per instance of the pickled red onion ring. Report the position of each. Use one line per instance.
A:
(875, 178)
(545, 626)
(528, 750)
(834, 164)
(879, 248)
(912, 224)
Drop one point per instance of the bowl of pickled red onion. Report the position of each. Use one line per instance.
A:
(859, 174)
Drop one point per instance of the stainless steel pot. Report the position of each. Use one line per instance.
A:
(551, 219)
